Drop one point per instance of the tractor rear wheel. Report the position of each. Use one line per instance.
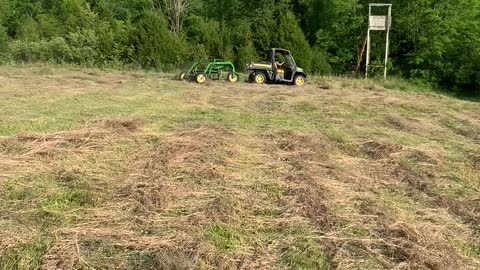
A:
(232, 77)
(259, 78)
(201, 78)
(299, 80)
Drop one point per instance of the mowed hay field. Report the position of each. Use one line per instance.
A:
(132, 170)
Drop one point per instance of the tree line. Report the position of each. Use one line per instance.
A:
(433, 42)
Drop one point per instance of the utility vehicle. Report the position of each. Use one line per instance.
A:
(280, 69)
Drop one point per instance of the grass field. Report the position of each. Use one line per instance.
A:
(132, 170)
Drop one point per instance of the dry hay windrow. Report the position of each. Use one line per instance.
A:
(195, 156)
(172, 194)
(37, 162)
(424, 243)
(94, 136)
(418, 172)
(322, 191)
(301, 162)
(407, 244)
(47, 145)
(25, 153)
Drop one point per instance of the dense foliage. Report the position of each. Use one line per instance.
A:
(434, 42)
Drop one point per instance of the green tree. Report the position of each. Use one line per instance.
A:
(289, 35)
(154, 44)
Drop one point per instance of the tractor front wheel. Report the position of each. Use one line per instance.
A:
(201, 78)
(300, 80)
(232, 77)
(259, 78)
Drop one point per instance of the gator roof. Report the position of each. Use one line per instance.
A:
(280, 49)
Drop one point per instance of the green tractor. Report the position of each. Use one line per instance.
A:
(210, 69)
(280, 69)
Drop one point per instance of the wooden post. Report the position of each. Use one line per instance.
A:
(360, 58)
(368, 42)
(388, 40)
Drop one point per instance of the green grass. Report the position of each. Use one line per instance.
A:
(26, 256)
(305, 254)
(222, 237)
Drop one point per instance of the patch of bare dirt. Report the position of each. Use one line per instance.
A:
(146, 197)
(224, 208)
(121, 124)
(379, 150)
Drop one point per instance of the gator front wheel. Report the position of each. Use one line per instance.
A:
(299, 80)
(259, 78)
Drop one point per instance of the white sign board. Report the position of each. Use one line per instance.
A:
(379, 23)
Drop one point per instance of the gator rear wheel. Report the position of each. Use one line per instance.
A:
(232, 77)
(201, 78)
(299, 80)
(259, 78)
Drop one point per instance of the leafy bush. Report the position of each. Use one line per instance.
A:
(3, 44)
(320, 63)
(84, 47)
(26, 51)
(29, 30)
(55, 50)
(59, 50)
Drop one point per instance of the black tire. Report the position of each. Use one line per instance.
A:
(250, 78)
(232, 77)
(201, 78)
(259, 78)
(299, 80)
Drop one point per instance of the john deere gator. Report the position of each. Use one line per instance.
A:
(279, 69)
